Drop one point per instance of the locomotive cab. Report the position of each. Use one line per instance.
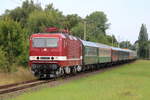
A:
(53, 54)
(45, 52)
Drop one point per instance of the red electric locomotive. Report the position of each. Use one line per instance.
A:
(54, 53)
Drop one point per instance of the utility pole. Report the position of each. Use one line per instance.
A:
(118, 41)
(112, 41)
(85, 30)
(127, 44)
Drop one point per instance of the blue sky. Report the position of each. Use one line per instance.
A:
(125, 16)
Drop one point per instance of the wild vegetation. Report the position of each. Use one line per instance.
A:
(18, 76)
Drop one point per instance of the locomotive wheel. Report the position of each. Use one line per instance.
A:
(59, 72)
(79, 68)
(67, 70)
(74, 70)
(62, 71)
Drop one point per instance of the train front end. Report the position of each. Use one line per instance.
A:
(45, 55)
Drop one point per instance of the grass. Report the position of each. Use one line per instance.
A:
(129, 82)
(19, 76)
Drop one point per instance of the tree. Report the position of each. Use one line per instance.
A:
(143, 35)
(39, 20)
(97, 25)
(112, 40)
(143, 42)
(50, 7)
(78, 30)
(71, 21)
(97, 21)
(125, 44)
(11, 36)
(20, 14)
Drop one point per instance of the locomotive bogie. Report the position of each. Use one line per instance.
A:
(44, 70)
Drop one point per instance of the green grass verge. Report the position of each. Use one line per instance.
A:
(129, 82)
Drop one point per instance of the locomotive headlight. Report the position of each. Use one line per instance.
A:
(32, 58)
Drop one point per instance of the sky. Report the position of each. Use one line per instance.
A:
(125, 16)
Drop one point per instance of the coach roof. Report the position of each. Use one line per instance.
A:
(88, 43)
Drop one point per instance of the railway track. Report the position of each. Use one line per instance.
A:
(5, 89)
(10, 88)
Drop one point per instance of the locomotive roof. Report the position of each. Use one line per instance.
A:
(47, 35)
(55, 35)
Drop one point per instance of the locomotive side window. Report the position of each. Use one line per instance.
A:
(45, 42)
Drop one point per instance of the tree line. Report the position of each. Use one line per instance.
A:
(18, 24)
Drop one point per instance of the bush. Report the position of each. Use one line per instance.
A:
(3, 61)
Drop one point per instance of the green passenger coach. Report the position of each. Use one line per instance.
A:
(90, 53)
(104, 55)
(97, 53)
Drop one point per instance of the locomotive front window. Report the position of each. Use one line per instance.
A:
(45, 42)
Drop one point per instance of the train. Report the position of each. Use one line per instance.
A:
(55, 53)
